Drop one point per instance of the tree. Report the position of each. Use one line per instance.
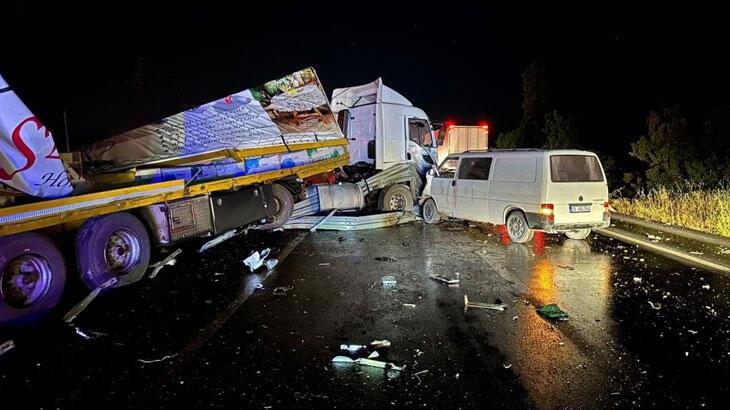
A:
(560, 132)
(529, 133)
(664, 148)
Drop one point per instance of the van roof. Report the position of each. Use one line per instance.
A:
(523, 151)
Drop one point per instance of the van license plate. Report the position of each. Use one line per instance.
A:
(575, 209)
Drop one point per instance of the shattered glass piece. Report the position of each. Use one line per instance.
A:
(271, 263)
(389, 282)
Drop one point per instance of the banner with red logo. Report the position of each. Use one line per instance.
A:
(29, 160)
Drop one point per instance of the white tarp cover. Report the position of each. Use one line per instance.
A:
(293, 109)
(29, 161)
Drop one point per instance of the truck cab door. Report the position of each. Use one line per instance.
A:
(472, 187)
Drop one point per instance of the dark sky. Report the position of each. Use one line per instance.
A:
(606, 65)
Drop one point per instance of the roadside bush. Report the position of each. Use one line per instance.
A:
(686, 205)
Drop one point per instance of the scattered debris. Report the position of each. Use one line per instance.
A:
(410, 305)
(79, 307)
(271, 263)
(552, 311)
(446, 280)
(393, 370)
(418, 374)
(506, 366)
(386, 259)
(515, 318)
(257, 259)
(89, 334)
(566, 267)
(696, 253)
(477, 305)
(706, 287)
(655, 306)
(374, 345)
(282, 290)
(694, 332)
(6, 346)
(389, 282)
(324, 264)
(217, 240)
(172, 356)
(168, 261)
(259, 286)
(218, 274)
(637, 279)
(374, 355)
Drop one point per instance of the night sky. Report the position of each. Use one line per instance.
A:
(115, 68)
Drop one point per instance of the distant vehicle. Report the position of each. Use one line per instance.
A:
(455, 139)
(555, 191)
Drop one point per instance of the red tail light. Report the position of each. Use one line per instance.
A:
(547, 211)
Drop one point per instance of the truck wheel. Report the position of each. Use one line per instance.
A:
(578, 234)
(430, 212)
(32, 276)
(517, 228)
(396, 197)
(284, 206)
(112, 245)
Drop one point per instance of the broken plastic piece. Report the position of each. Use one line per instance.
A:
(281, 290)
(389, 281)
(492, 306)
(88, 334)
(506, 366)
(79, 307)
(637, 279)
(217, 240)
(168, 261)
(655, 306)
(444, 279)
(374, 355)
(6, 346)
(410, 305)
(256, 260)
(271, 263)
(552, 311)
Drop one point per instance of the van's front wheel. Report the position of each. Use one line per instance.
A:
(517, 228)
(430, 212)
(578, 234)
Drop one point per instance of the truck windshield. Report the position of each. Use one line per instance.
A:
(575, 168)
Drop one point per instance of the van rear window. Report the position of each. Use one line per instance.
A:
(575, 168)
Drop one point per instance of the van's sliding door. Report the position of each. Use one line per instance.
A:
(472, 186)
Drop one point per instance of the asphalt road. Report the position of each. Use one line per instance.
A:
(203, 335)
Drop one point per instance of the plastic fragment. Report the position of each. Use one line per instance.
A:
(6, 346)
(271, 263)
(168, 261)
(478, 305)
(282, 290)
(256, 260)
(552, 311)
(655, 306)
(79, 307)
(89, 334)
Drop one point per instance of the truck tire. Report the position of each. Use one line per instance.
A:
(430, 213)
(32, 277)
(112, 245)
(284, 206)
(578, 234)
(396, 197)
(517, 228)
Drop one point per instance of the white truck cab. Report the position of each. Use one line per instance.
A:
(555, 191)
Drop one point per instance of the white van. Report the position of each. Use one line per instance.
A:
(555, 191)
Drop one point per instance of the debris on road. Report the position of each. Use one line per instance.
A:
(706, 287)
(168, 261)
(506, 366)
(393, 370)
(89, 334)
(418, 374)
(356, 348)
(552, 311)
(478, 305)
(257, 259)
(386, 259)
(324, 264)
(6, 346)
(172, 356)
(440, 278)
(566, 267)
(282, 290)
(389, 282)
(410, 305)
(271, 263)
(79, 307)
(637, 279)
(655, 306)
(218, 240)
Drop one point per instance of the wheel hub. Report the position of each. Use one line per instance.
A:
(122, 252)
(397, 202)
(516, 227)
(25, 280)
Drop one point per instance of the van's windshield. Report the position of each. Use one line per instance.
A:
(575, 168)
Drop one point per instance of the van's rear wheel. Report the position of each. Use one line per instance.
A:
(430, 212)
(283, 207)
(578, 234)
(396, 197)
(32, 276)
(517, 228)
(114, 245)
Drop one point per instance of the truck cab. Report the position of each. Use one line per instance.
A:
(384, 128)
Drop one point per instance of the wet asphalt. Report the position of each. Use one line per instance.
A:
(206, 333)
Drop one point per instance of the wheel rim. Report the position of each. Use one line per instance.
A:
(122, 251)
(428, 210)
(397, 202)
(26, 280)
(516, 227)
(278, 208)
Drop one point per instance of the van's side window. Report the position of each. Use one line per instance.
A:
(448, 167)
(475, 168)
